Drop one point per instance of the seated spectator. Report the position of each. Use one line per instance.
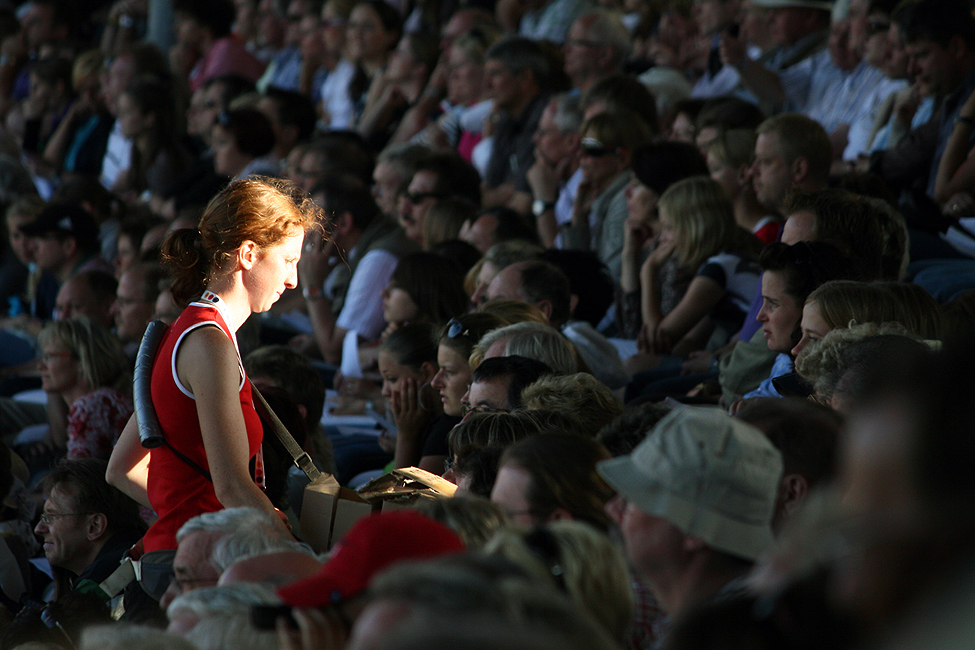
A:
(782, 142)
(439, 176)
(497, 257)
(579, 394)
(516, 76)
(135, 303)
(86, 524)
(220, 617)
(372, 31)
(397, 88)
(394, 170)
(513, 311)
(88, 294)
(497, 383)
(807, 435)
(699, 229)
(87, 380)
(424, 288)
(677, 534)
(579, 560)
(243, 145)
(147, 115)
(204, 30)
(209, 543)
(545, 286)
(599, 209)
(590, 283)
(655, 168)
(790, 274)
(552, 477)
(554, 177)
(292, 118)
(529, 339)
(836, 366)
(372, 245)
(457, 341)
(408, 363)
(729, 156)
(839, 303)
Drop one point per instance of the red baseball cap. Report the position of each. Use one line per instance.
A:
(371, 545)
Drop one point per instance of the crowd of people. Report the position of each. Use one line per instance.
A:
(678, 296)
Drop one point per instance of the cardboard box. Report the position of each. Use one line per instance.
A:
(328, 511)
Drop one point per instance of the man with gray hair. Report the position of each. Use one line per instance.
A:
(597, 46)
(555, 176)
(533, 341)
(700, 491)
(209, 543)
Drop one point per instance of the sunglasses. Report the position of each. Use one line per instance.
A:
(599, 152)
(455, 328)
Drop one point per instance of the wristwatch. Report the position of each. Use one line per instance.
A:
(540, 207)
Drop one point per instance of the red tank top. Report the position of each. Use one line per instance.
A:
(176, 491)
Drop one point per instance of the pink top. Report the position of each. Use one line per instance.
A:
(95, 422)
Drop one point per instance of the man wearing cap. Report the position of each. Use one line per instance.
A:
(700, 493)
(371, 546)
(65, 241)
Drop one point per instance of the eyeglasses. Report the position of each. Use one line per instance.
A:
(47, 517)
(455, 328)
(419, 197)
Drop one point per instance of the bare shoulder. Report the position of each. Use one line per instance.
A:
(206, 352)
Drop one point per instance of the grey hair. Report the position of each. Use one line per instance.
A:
(246, 532)
(568, 113)
(224, 617)
(224, 600)
(535, 341)
(607, 28)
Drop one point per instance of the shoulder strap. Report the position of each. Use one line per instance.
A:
(301, 459)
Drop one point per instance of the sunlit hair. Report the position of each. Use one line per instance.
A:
(99, 353)
(841, 302)
(619, 129)
(589, 565)
(514, 311)
(471, 328)
(474, 518)
(262, 210)
(703, 220)
(580, 394)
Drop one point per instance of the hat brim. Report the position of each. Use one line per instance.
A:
(749, 540)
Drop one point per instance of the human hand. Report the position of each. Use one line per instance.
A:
(408, 413)
(661, 254)
(543, 176)
(636, 233)
(316, 262)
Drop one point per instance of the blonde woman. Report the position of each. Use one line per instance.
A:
(85, 374)
(698, 227)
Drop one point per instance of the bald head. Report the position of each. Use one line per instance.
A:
(277, 569)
